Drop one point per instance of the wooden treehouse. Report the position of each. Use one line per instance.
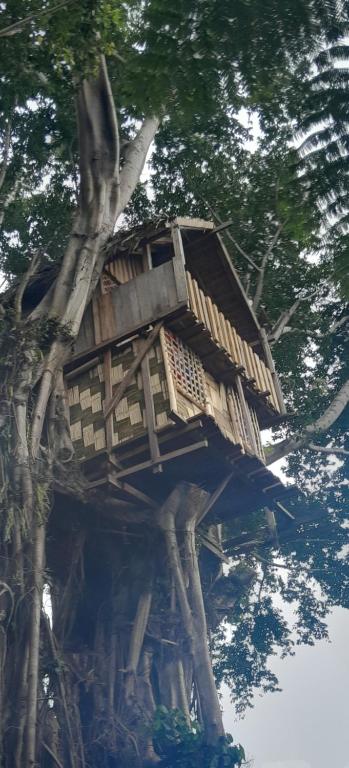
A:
(172, 377)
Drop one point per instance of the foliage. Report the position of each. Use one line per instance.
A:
(181, 744)
(196, 64)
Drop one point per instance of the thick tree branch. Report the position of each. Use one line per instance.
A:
(263, 268)
(32, 269)
(281, 324)
(334, 449)
(335, 326)
(321, 425)
(135, 157)
(6, 148)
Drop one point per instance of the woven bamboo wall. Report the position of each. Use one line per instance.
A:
(179, 385)
(86, 394)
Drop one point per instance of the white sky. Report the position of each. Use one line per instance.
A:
(306, 725)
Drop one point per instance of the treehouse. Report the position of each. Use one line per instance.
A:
(172, 377)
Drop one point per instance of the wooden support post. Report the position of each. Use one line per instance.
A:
(150, 412)
(246, 415)
(215, 496)
(168, 373)
(271, 523)
(179, 264)
(108, 394)
(113, 401)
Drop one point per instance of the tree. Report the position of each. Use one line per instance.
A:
(300, 300)
(163, 62)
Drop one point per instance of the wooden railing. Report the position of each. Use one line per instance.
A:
(225, 336)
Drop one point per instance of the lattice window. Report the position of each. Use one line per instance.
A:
(186, 368)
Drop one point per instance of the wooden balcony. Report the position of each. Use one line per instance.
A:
(259, 377)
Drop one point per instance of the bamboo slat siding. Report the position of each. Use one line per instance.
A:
(123, 269)
(226, 337)
(192, 389)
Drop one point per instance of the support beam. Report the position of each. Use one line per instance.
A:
(132, 491)
(215, 496)
(113, 401)
(108, 396)
(150, 412)
(163, 458)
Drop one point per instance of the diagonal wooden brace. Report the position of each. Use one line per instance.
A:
(115, 399)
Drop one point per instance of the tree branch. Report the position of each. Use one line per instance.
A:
(285, 317)
(335, 449)
(321, 425)
(6, 147)
(334, 327)
(263, 267)
(231, 238)
(8, 199)
(33, 266)
(18, 26)
(135, 157)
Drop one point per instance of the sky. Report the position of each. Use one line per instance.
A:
(306, 725)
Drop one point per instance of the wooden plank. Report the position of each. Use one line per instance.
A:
(218, 325)
(149, 409)
(199, 311)
(272, 485)
(112, 401)
(229, 340)
(108, 318)
(194, 223)
(232, 343)
(263, 384)
(205, 310)
(179, 264)
(234, 417)
(165, 457)
(96, 320)
(246, 415)
(215, 496)
(121, 485)
(214, 548)
(271, 366)
(213, 322)
(224, 336)
(238, 345)
(191, 292)
(82, 368)
(252, 364)
(168, 373)
(196, 291)
(285, 511)
(174, 432)
(249, 368)
(108, 389)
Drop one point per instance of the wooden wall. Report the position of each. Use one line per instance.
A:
(180, 387)
(133, 305)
